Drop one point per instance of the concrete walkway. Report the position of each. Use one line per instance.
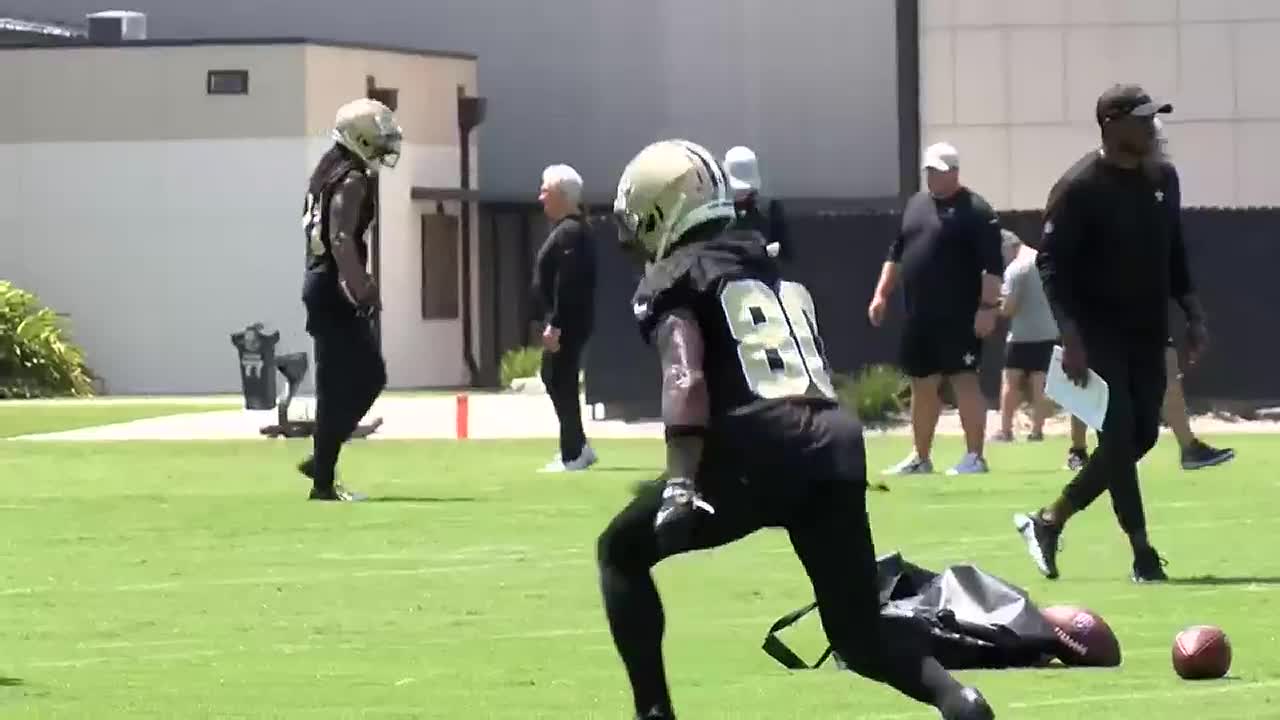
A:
(489, 416)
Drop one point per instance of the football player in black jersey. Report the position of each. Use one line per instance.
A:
(339, 293)
(755, 437)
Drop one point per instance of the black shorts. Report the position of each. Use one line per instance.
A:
(778, 456)
(938, 347)
(1033, 357)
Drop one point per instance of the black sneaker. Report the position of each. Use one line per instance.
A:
(657, 713)
(678, 515)
(968, 704)
(308, 467)
(1042, 542)
(1076, 459)
(1200, 455)
(1148, 566)
(335, 493)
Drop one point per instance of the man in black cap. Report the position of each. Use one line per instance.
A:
(1111, 257)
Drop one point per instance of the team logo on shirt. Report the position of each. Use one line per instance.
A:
(1048, 227)
(1159, 196)
(968, 359)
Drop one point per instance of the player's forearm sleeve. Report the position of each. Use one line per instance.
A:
(344, 216)
(686, 406)
(685, 402)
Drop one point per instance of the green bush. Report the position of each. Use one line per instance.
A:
(519, 362)
(876, 393)
(37, 357)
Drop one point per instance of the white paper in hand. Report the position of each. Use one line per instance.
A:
(1089, 403)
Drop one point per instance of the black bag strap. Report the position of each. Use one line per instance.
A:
(779, 651)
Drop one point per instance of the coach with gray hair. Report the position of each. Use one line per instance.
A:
(564, 284)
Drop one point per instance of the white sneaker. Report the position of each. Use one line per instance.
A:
(913, 465)
(970, 464)
(585, 459)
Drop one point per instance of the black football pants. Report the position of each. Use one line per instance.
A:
(827, 521)
(350, 374)
(1135, 375)
(560, 371)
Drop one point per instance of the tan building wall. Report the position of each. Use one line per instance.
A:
(1013, 84)
(162, 219)
(148, 93)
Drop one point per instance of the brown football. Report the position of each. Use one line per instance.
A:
(1084, 638)
(1201, 652)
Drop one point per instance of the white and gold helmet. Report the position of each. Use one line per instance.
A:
(368, 128)
(667, 189)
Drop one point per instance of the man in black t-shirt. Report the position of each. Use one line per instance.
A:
(743, 170)
(947, 257)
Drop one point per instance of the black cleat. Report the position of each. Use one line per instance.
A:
(657, 714)
(676, 519)
(1148, 566)
(308, 468)
(335, 493)
(1199, 455)
(1042, 541)
(968, 704)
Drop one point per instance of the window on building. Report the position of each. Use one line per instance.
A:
(227, 82)
(440, 267)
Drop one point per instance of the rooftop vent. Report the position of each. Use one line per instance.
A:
(116, 26)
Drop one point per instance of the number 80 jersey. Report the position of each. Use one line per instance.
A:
(760, 331)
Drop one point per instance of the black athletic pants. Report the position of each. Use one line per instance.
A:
(1135, 375)
(821, 502)
(560, 371)
(350, 374)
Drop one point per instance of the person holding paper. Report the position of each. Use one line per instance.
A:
(1111, 257)
(1194, 453)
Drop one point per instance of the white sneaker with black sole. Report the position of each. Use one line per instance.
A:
(585, 459)
(1042, 542)
(913, 465)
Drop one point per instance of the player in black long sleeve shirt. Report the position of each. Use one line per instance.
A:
(1112, 257)
(566, 279)
(340, 295)
(564, 282)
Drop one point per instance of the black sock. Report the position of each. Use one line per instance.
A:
(1139, 542)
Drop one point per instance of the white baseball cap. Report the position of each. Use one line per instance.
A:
(743, 169)
(941, 156)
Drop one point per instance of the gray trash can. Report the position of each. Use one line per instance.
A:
(257, 350)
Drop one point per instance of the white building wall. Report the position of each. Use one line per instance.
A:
(1013, 84)
(159, 250)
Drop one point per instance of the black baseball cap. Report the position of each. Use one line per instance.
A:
(1121, 100)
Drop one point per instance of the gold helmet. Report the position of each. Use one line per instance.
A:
(668, 188)
(368, 128)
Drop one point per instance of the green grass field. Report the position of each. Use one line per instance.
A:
(191, 580)
(28, 419)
